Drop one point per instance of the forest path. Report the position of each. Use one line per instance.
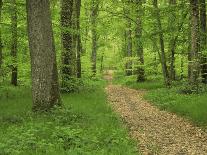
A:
(157, 132)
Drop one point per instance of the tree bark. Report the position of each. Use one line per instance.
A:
(194, 57)
(172, 43)
(162, 45)
(140, 50)
(1, 44)
(45, 87)
(129, 48)
(79, 48)
(68, 53)
(14, 41)
(203, 32)
(94, 16)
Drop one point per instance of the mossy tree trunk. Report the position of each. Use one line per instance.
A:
(139, 43)
(94, 16)
(14, 41)
(194, 53)
(45, 87)
(173, 40)
(79, 47)
(203, 32)
(68, 52)
(129, 48)
(1, 44)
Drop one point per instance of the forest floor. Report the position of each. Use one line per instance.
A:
(85, 125)
(157, 131)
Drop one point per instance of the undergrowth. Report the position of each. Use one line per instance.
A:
(85, 125)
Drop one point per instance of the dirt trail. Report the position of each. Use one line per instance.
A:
(157, 132)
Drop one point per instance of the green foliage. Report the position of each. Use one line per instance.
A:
(85, 125)
(71, 85)
(186, 88)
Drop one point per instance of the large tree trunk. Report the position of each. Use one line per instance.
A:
(162, 45)
(140, 50)
(172, 43)
(68, 53)
(94, 16)
(194, 57)
(45, 87)
(1, 46)
(79, 49)
(203, 40)
(14, 43)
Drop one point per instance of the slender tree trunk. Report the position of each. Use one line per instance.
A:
(86, 29)
(172, 44)
(102, 63)
(129, 48)
(45, 87)
(189, 48)
(162, 45)
(203, 40)
(140, 50)
(79, 49)
(194, 57)
(182, 66)
(14, 43)
(68, 52)
(1, 45)
(94, 15)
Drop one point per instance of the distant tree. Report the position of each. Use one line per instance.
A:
(79, 46)
(194, 53)
(162, 45)
(173, 37)
(129, 48)
(45, 87)
(76, 37)
(139, 42)
(203, 39)
(1, 46)
(14, 40)
(94, 16)
(128, 53)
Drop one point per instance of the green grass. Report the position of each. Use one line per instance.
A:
(130, 81)
(193, 107)
(85, 126)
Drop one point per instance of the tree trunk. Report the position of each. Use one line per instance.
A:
(203, 40)
(102, 63)
(129, 48)
(14, 40)
(68, 52)
(94, 15)
(74, 38)
(172, 43)
(79, 49)
(194, 57)
(1, 45)
(162, 45)
(182, 66)
(140, 50)
(45, 87)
